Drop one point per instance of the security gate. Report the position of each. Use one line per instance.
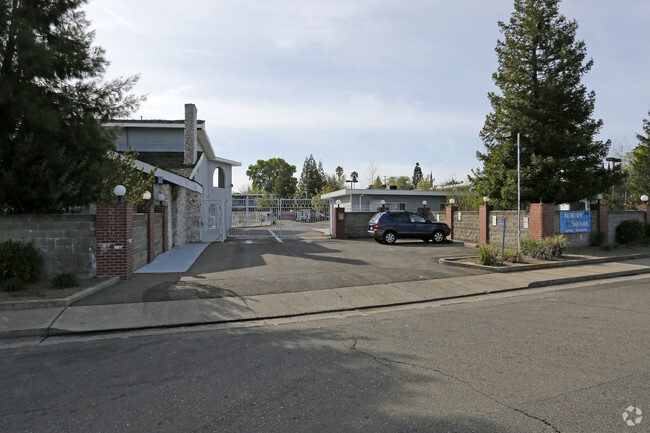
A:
(281, 218)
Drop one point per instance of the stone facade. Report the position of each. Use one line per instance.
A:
(139, 240)
(186, 209)
(496, 232)
(67, 242)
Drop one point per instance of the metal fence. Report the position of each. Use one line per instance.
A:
(281, 218)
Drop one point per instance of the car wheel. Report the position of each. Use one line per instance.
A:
(379, 240)
(390, 237)
(438, 236)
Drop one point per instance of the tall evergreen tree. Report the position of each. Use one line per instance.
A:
(639, 170)
(312, 178)
(539, 74)
(53, 150)
(417, 174)
(285, 184)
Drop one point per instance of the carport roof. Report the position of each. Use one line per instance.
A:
(384, 192)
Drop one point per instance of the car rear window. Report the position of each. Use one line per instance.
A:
(398, 217)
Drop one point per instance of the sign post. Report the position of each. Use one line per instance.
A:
(502, 224)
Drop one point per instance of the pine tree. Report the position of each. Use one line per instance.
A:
(539, 74)
(639, 170)
(54, 153)
(417, 174)
(312, 178)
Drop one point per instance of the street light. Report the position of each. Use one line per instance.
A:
(424, 203)
(486, 199)
(509, 134)
(161, 198)
(452, 201)
(644, 199)
(119, 191)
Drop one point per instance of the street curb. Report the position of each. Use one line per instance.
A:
(586, 260)
(54, 303)
(531, 285)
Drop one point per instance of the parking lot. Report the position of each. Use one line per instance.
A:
(265, 266)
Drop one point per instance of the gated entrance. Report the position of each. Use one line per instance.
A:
(281, 218)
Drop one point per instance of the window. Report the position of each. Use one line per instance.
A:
(417, 218)
(218, 178)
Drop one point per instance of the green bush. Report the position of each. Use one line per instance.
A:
(488, 255)
(12, 284)
(511, 256)
(64, 280)
(630, 232)
(599, 239)
(19, 260)
(544, 249)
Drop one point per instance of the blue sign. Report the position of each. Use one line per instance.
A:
(502, 222)
(575, 221)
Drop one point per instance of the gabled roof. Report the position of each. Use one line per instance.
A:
(169, 161)
(202, 135)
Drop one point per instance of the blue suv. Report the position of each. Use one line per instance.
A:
(387, 227)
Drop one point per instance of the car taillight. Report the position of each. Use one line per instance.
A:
(377, 225)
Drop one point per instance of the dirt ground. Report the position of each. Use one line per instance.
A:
(42, 290)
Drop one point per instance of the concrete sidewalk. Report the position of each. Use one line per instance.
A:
(42, 322)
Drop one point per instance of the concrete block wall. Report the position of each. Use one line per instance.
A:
(356, 224)
(617, 217)
(466, 228)
(496, 232)
(67, 242)
(158, 235)
(139, 240)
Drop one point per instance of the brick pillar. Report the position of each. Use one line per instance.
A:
(644, 208)
(603, 216)
(339, 223)
(542, 220)
(382, 209)
(424, 211)
(484, 223)
(114, 237)
(450, 212)
(163, 210)
(148, 210)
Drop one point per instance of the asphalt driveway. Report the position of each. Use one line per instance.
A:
(245, 268)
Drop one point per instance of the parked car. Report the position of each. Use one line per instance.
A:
(387, 227)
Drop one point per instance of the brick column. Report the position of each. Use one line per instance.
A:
(163, 210)
(449, 218)
(424, 211)
(542, 220)
(603, 216)
(148, 210)
(114, 237)
(339, 222)
(644, 208)
(484, 223)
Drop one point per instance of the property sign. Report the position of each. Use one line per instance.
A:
(575, 221)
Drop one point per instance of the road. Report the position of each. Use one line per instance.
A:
(567, 359)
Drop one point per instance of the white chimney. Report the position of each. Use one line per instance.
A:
(190, 137)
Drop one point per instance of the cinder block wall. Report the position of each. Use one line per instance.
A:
(466, 229)
(67, 242)
(356, 224)
(496, 232)
(158, 236)
(139, 240)
(440, 216)
(617, 217)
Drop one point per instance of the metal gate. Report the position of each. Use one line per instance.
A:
(281, 218)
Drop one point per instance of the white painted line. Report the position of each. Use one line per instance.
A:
(275, 236)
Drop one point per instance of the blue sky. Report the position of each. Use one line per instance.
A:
(356, 83)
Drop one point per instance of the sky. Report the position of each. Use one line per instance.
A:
(368, 85)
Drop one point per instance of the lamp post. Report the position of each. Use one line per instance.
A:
(146, 196)
(161, 198)
(119, 191)
(509, 134)
(644, 199)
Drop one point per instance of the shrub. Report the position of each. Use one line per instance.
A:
(630, 232)
(64, 280)
(511, 256)
(599, 239)
(12, 284)
(544, 249)
(488, 255)
(19, 260)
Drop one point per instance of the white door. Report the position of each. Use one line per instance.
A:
(213, 217)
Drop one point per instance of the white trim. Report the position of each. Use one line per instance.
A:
(384, 192)
(196, 167)
(170, 177)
